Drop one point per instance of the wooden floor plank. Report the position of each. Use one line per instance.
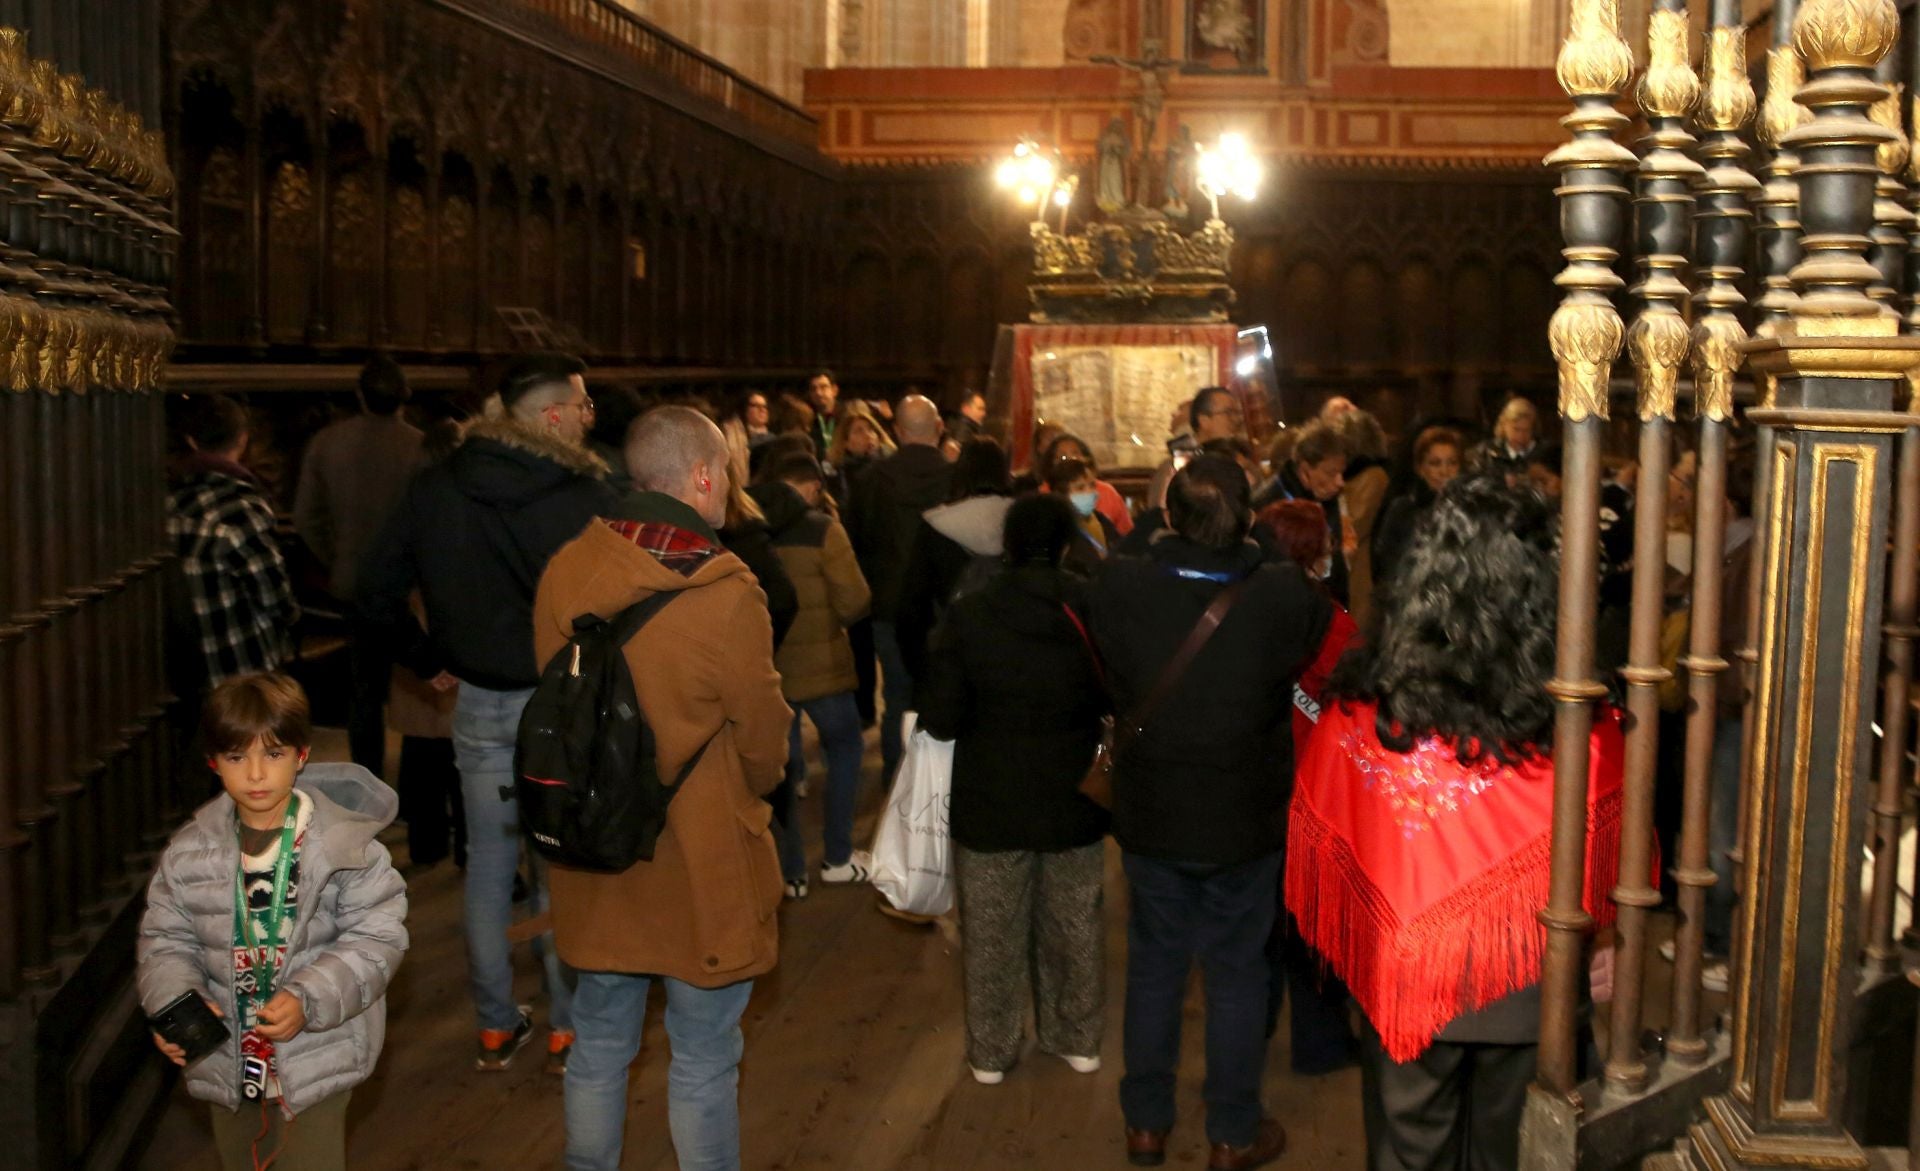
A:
(855, 1061)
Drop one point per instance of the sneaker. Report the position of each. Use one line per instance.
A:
(796, 888)
(1082, 1064)
(559, 1046)
(857, 868)
(1668, 951)
(988, 1077)
(497, 1046)
(1713, 977)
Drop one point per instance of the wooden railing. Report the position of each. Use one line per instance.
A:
(606, 24)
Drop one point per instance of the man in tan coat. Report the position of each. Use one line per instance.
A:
(699, 917)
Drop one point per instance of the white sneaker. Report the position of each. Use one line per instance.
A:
(1713, 977)
(797, 889)
(1082, 1064)
(987, 1077)
(857, 868)
(1668, 951)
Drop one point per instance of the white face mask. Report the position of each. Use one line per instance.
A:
(1083, 502)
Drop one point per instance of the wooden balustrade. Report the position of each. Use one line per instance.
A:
(606, 24)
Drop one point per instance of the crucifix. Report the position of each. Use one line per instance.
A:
(1151, 69)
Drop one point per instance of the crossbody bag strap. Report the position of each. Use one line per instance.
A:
(1177, 666)
(1099, 668)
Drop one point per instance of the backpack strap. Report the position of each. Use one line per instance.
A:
(628, 622)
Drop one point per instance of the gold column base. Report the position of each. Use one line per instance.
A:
(1726, 1142)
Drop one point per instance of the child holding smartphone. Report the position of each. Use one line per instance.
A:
(277, 905)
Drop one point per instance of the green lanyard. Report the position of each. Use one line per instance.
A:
(276, 914)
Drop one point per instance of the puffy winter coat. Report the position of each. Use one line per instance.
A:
(816, 658)
(349, 931)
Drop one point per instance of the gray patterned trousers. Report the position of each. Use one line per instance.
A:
(1031, 919)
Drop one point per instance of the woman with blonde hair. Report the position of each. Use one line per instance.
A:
(859, 439)
(1515, 433)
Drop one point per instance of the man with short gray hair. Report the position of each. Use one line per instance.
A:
(698, 917)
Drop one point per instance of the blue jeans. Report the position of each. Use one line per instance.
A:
(896, 697)
(837, 719)
(703, 1077)
(1221, 915)
(485, 724)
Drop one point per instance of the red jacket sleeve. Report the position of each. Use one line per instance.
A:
(1340, 632)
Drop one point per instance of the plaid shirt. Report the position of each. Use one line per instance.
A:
(681, 550)
(236, 579)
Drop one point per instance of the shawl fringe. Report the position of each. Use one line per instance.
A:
(1481, 943)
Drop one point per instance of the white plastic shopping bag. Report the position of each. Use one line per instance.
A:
(912, 857)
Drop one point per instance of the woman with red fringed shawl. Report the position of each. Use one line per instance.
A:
(1418, 852)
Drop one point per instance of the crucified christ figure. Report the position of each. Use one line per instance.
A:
(1151, 69)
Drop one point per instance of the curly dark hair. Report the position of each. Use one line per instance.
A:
(1462, 640)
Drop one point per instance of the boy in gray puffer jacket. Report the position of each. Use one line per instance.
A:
(279, 907)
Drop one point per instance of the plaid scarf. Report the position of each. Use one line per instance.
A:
(680, 550)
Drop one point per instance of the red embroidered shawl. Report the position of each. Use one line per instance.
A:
(1419, 878)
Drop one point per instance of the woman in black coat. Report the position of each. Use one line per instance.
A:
(956, 548)
(1012, 679)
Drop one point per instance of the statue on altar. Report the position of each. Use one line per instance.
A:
(1137, 260)
(1110, 177)
(1177, 173)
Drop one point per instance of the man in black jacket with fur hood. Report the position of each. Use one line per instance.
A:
(472, 534)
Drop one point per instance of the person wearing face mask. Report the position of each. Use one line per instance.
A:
(1108, 500)
(1437, 458)
(1094, 535)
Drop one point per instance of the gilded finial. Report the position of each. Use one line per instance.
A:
(1668, 89)
(1658, 343)
(1845, 34)
(1716, 359)
(1780, 113)
(1585, 337)
(1595, 60)
(1729, 96)
(1892, 154)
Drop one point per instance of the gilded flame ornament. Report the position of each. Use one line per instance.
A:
(1595, 60)
(1729, 98)
(1668, 89)
(1845, 34)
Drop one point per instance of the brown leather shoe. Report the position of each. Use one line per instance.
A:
(1267, 1145)
(1146, 1148)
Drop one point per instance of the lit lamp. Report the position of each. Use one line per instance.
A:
(1229, 168)
(1030, 176)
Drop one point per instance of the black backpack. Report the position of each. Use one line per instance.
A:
(590, 792)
